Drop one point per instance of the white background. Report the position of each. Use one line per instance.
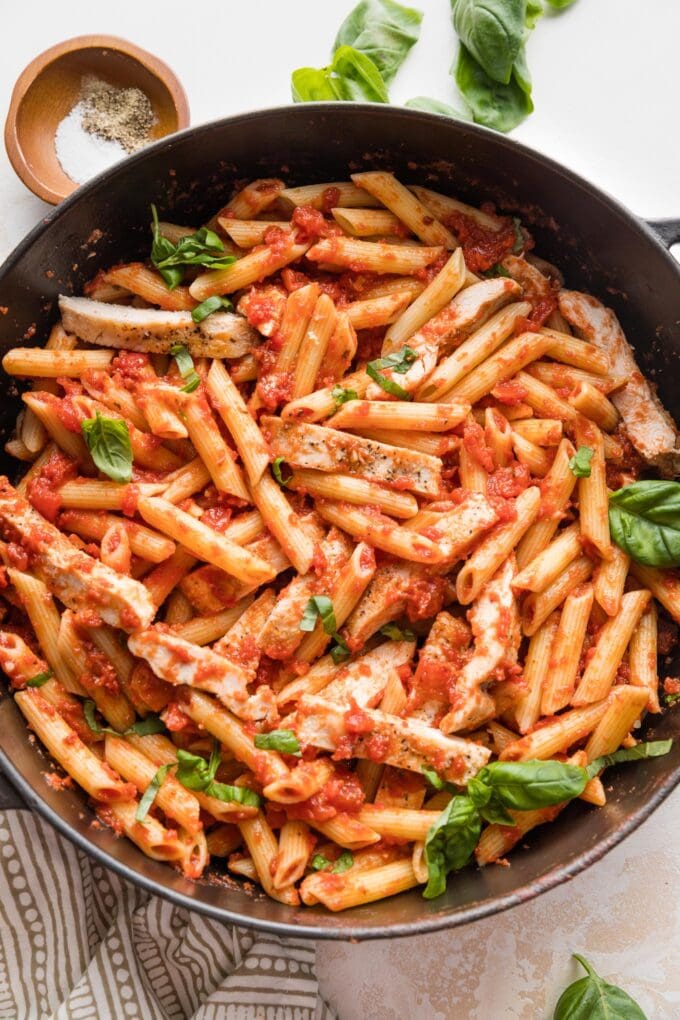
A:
(606, 105)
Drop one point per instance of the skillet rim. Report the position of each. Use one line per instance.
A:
(550, 879)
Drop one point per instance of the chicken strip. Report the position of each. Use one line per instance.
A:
(650, 428)
(78, 580)
(150, 330)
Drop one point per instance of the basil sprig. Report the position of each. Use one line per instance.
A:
(383, 30)
(341, 395)
(399, 362)
(284, 741)
(644, 521)
(343, 863)
(39, 679)
(197, 774)
(210, 305)
(505, 786)
(340, 651)
(185, 366)
(593, 998)
(108, 441)
(579, 464)
(142, 728)
(203, 248)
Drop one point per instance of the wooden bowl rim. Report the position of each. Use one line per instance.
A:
(154, 65)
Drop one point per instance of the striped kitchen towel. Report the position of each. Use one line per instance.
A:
(79, 943)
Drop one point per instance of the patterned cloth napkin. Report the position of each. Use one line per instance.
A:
(79, 943)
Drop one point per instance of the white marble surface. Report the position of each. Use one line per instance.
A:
(606, 105)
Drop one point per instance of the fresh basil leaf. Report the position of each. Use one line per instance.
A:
(593, 998)
(579, 464)
(162, 248)
(202, 248)
(493, 32)
(644, 520)
(651, 749)
(39, 679)
(399, 362)
(533, 13)
(142, 728)
(149, 795)
(497, 270)
(395, 633)
(340, 651)
(108, 441)
(560, 5)
(278, 475)
(358, 77)
(185, 364)
(340, 395)
(284, 741)
(450, 842)
(493, 104)
(210, 305)
(312, 85)
(195, 773)
(428, 105)
(525, 785)
(319, 862)
(521, 75)
(319, 606)
(433, 778)
(383, 30)
(671, 699)
(343, 863)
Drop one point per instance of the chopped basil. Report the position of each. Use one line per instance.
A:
(340, 651)
(343, 863)
(519, 236)
(210, 305)
(108, 441)
(278, 475)
(399, 362)
(185, 365)
(433, 778)
(579, 465)
(450, 842)
(203, 248)
(39, 679)
(395, 633)
(149, 795)
(340, 395)
(319, 607)
(496, 270)
(671, 699)
(284, 741)
(142, 728)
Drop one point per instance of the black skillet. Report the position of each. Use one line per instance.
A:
(600, 247)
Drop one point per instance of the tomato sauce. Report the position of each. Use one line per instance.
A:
(342, 793)
(475, 443)
(508, 482)
(43, 490)
(482, 247)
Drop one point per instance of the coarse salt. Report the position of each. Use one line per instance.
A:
(80, 153)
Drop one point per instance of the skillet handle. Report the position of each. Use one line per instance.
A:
(9, 798)
(668, 231)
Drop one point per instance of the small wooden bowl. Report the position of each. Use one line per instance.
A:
(49, 88)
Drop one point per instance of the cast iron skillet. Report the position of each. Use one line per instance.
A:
(601, 248)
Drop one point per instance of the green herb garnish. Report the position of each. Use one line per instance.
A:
(108, 441)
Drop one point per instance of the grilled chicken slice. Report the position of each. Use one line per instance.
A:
(407, 743)
(77, 580)
(495, 624)
(324, 449)
(650, 428)
(150, 330)
(364, 680)
(183, 663)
